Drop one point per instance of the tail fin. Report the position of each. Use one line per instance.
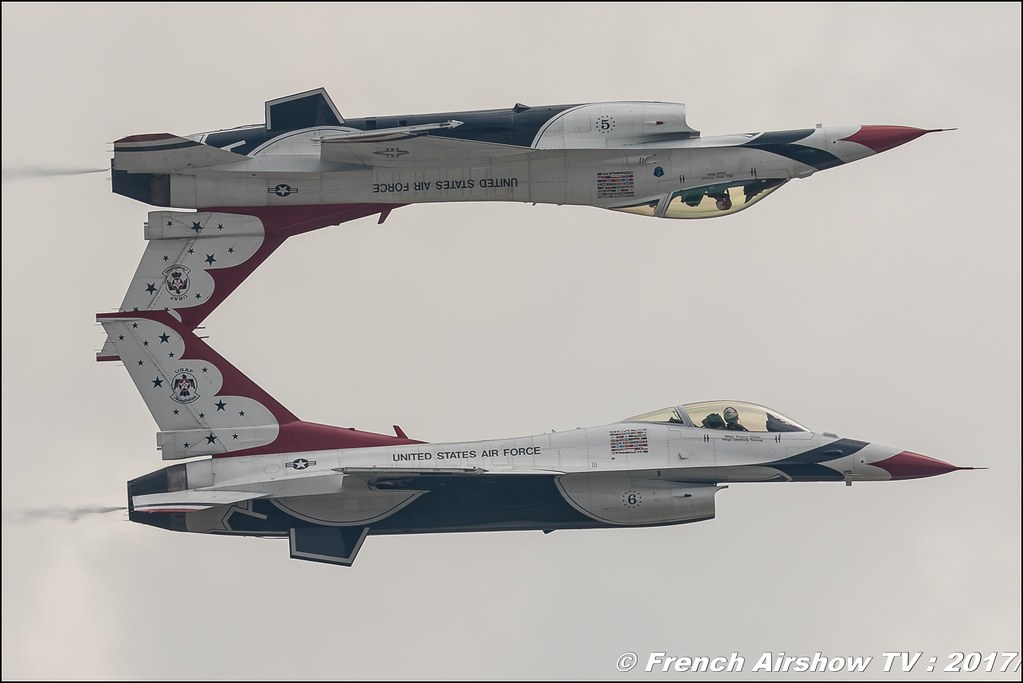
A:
(192, 262)
(302, 110)
(166, 153)
(203, 405)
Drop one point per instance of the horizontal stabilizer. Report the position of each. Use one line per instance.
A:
(166, 153)
(189, 501)
(417, 150)
(330, 544)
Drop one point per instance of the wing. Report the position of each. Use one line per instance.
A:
(419, 479)
(391, 478)
(412, 146)
(189, 500)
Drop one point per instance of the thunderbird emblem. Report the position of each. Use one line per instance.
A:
(177, 281)
(184, 387)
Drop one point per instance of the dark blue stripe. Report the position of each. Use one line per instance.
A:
(809, 472)
(781, 143)
(781, 137)
(806, 466)
(809, 156)
(832, 451)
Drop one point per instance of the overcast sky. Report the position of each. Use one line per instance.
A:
(879, 300)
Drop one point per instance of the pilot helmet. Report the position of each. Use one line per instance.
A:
(713, 421)
(731, 414)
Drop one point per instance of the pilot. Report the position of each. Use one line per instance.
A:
(722, 201)
(732, 420)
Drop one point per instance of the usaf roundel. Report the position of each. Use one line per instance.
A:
(184, 387)
(177, 279)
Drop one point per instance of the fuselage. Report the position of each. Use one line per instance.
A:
(639, 157)
(630, 473)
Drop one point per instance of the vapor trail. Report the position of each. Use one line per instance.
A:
(70, 514)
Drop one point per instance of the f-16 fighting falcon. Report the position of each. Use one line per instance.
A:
(307, 167)
(636, 157)
(256, 469)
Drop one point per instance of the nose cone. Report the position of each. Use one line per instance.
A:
(907, 465)
(883, 138)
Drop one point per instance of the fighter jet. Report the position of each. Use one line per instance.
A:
(255, 469)
(306, 167)
(641, 158)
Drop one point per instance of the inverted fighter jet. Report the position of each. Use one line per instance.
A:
(255, 469)
(637, 157)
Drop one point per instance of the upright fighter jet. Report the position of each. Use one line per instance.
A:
(256, 469)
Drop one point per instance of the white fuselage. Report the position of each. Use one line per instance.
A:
(603, 178)
(595, 468)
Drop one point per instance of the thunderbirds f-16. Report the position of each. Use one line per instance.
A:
(307, 167)
(636, 157)
(261, 471)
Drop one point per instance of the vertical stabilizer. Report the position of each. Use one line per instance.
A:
(200, 402)
(192, 262)
(203, 405)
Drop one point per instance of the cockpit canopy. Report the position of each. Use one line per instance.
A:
(722, 414)
(708, 201)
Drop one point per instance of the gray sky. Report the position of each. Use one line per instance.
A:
(879, 300)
